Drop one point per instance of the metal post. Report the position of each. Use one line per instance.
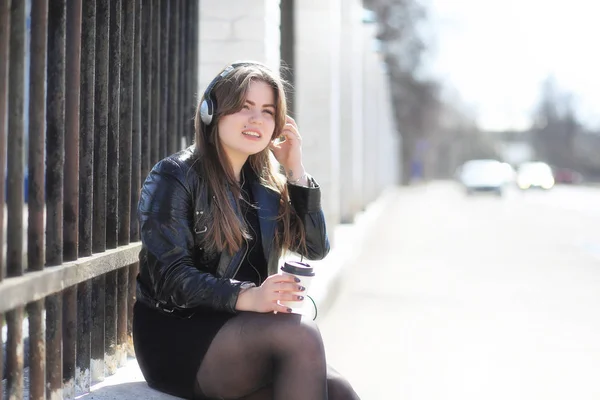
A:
(126, 119)
(165, 70)
(155, 113)
(4, 61)
(15, 162)
(114, 81)
(125, 125)
(35, 226)
(99, 218)
(86, 186)
(146, 88)
(55, 153)
(195, 53)
(136, 161)
(71, 188)
(114, 72)
(172, 131)
(182, 111)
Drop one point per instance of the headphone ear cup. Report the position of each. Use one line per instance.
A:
(206, 111)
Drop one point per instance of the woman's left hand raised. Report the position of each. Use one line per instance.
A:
(289, 152)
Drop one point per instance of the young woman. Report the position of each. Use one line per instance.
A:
(215, 219)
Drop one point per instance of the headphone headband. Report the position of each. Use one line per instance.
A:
(208, 105)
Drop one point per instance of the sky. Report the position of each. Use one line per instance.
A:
(496, 53)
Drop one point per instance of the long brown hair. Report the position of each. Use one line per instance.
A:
(227, 231)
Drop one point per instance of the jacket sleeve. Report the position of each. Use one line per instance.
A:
(306, 201)
(165, 213)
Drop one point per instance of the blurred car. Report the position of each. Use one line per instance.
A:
(568, 176)
(535, 174)
(483, 176)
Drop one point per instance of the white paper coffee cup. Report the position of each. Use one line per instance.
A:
(305, 273)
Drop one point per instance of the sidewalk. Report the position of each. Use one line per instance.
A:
(128, 382)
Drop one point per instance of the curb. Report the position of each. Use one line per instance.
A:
(347, 246)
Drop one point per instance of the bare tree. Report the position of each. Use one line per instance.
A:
(559, 137)
(415, 100)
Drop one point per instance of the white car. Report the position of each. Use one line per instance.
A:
(483, 176)
(535, 175)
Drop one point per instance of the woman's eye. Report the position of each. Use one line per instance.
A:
(246, 107)
(269, 112)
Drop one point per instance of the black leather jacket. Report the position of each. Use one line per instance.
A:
(176, 275)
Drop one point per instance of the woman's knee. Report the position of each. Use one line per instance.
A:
(299, 335)
(338, 388)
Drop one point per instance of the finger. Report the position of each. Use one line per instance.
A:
(281, 308)
(292, 121)
(283, 278)
(274, 146)
(292, 129)
(286, 296)
(288, 287)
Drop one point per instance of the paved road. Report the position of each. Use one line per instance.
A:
(473, 298)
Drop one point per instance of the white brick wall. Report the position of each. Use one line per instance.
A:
(232, 30)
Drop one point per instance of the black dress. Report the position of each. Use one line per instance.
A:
(170, 350)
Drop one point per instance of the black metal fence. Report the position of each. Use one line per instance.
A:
(111, 90)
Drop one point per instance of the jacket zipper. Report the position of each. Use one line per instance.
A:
(239, 264)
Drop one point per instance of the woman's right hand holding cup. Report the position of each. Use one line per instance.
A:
(265, 298)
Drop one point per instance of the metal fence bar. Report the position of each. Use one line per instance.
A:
(195, 98)
(55, 129)
(136, 166)
(172, 131)
(181, 84)
(54, 346)
(190, 47)
(136, 132)
(71, 188)
(156, 84)
(122, 292)
(86, 149)
(165, 70)
(35, 226)
(69, 340)
(86, 186)
(37, 351)
(146, 88)
(14, 322)
(125, 125)
(112, 182)
(114, 73)
(4, 60)
(72, 131)
(100, 169)
(110, 323)
(37, 127)
(126, 119)
(15, 163)
(101, 125)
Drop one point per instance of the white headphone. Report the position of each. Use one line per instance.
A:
(208, 105)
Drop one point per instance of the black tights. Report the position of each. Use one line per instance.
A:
(266, 356)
